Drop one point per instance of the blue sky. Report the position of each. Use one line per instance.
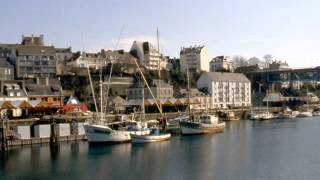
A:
(287, 29)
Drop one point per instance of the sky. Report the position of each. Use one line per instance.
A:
(286, 29)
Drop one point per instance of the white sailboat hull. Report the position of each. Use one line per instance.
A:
(305, 114)
(149, 138)
(190, 128)
(104, 134)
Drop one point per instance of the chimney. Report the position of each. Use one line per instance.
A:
(47, 81)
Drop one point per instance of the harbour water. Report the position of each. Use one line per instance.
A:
(276, 149)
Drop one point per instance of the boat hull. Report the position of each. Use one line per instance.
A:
(149, 138)
(103, 134)
(305, 114)
(193, 128)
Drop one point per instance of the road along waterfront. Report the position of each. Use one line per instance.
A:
(275, 149)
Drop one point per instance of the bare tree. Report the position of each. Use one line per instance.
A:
(239, 61)
(256, 61)
(268, 59)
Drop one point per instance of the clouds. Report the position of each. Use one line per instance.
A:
(94, 45)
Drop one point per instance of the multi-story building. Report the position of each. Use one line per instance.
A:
(196, 58)
(84, 60)
(148, 56)
(221, 63)
(159, 89)
(34, 59)
(63, 55)
(45, 89)
(6, 69)
(103, 58)
(199, 100)
(226, 89)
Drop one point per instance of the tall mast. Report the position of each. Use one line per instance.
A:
(142, 106)
(90, 80)
(159, 71)
(101, 107)
(188, 90)
(110, 73)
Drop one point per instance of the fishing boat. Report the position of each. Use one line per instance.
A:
(155, 135)
(266, 116)
(173, 126)
(287, 114)
(308, 112)
(253, 116)
(204, 124)
(98, 132)
(104, 134)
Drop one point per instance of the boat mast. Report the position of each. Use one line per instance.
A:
(146, 83)
(142, 106)
(110, 73)
(159, 71)
(90, 80)
(267, 101)
(101, 107)
(188, 90)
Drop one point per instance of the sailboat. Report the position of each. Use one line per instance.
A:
(155, 135)
(307, 113)
(267, 115)
(204, 124)
(99, 133)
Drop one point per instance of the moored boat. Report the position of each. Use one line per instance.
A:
(206, 124)
(154, 136)
(266, 116)
(305, 114)
(254, 116)
(104, 134)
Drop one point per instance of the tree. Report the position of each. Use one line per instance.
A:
(239, 61)
(268, 59)
(255, 60)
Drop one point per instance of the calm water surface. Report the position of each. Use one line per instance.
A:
(278, 149)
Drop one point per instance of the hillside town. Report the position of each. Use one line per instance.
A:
(41, 82)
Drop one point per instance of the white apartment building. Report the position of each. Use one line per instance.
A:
(83, 60)
(148, 56)
(221, 63)
(195, 57)
(226, 89)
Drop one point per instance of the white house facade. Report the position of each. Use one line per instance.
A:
(196, 58)
(226, 89)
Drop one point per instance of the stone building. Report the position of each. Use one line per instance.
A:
(195, 57)
(221, 63)
(226, 89)
(6, 70)
(63, 55)
(34, 59)
(159, 89)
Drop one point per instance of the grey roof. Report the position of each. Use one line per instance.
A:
(192, 49)
(64, 50)
(40, 90)
(5, 63)
(36, 50)
(226, 77)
